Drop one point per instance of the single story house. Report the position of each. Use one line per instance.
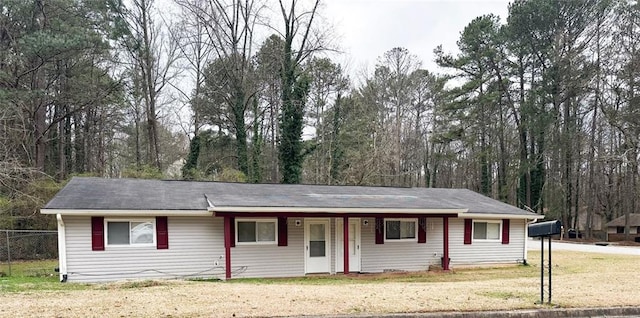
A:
(114, 229)
(615, 228)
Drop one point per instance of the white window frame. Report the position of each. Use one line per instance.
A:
(106, 232)
(473, 230)
(269, 220)
(414, 220)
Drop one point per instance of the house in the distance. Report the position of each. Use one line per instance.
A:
(615, 228)
(114, 229)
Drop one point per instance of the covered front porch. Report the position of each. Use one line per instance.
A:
(335, 242)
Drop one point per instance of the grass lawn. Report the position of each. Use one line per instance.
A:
(437, 276)
(32, 276)
(579, 280)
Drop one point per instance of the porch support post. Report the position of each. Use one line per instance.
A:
(345, 230)
(227, 247)
(445, 243)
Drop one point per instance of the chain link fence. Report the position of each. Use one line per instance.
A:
(26, 245)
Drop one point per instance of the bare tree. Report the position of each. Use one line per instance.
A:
(196, 49)
(229, 27)
(153, 54)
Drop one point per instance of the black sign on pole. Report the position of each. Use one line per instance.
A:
(542, 230)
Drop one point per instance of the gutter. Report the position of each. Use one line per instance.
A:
(91, 212)
(62, 249)
(473, 215)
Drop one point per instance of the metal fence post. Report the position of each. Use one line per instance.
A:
(27, 245)
(542, 270)
(550, 266)
(8, 252)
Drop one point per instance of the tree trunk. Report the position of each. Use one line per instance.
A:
(149, 88)
(241, 132)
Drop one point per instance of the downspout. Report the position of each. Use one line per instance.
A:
(526, 239)
(62, 249)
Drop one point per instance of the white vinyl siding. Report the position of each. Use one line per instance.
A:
(277, 261)
(412, 256)
(399, 255)
(486, 251)
(196, 249)
(253, 260)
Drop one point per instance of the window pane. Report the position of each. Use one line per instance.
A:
(480, 230)
(393, 230)
(317, 232)
(408, 230)
(246, 231)
(266, 232)
(317, 240)
(118, 233)
(141, 233)
(317, 249)
(352, 239)
(493, 231)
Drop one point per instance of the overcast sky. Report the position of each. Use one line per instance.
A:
(368, 28)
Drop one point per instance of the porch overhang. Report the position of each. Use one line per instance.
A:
(330, 211)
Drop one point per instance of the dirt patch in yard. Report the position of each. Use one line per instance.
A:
(580, 280)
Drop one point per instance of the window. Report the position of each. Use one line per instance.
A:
(486, 230)
(395, 230)
(256, 231)
(620, 229)
(138, 232)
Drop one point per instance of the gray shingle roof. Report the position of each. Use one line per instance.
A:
(138, 194)
(130, 194)
(634, 220)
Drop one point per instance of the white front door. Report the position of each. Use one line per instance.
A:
(316, 241)
(354, 245)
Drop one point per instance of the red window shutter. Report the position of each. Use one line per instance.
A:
(422, 230)
(505, 231)
(468, 226)
(162, 233)
(232, 220)
(97, 233)
(379, 231)
(282, 231)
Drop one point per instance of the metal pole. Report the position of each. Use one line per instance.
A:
(542, 270)
(8, 252)
(550, 265)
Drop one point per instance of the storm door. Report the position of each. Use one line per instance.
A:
(316, 244)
